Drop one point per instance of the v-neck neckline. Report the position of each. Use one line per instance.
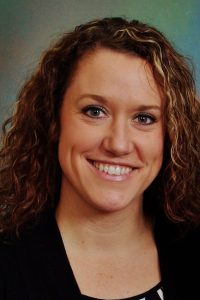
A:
(54, 261)
(60, 265)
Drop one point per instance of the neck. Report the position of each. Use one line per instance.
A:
(88, 228)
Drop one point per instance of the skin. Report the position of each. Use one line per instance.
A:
(112, 113)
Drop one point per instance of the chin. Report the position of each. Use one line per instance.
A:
(113, 203)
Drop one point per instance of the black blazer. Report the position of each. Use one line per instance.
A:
(35, 267)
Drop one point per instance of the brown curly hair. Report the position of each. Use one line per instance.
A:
(29, 170)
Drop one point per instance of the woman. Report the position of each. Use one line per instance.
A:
(100, 171)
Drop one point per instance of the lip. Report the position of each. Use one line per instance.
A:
(113, 163)
(106, 176)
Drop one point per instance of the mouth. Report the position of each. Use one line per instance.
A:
(112, 169)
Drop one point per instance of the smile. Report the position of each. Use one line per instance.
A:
(110, 169)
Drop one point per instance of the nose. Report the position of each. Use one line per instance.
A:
(117, 139)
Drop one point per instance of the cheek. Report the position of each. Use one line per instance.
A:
(78, 139)
(157, 148)
(151, 148)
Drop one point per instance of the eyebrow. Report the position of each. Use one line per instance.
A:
(103, 100)
(93, 96)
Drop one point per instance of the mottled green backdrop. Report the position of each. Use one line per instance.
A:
(28, 26)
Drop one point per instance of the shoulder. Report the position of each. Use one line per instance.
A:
(188, 248)
(7, 250)
(179, 261)
(11, 254)
(188, 241)
(168, 234)
(192, 235)
(15, 249)
(9, 268)
(24, 260)
(31, 236)
(178, 242)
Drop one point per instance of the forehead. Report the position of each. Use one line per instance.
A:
(115, 74)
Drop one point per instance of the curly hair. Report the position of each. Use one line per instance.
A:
(29, 169)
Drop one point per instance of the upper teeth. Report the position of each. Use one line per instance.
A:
(112, 169)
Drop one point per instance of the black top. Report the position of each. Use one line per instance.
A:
(36, 267)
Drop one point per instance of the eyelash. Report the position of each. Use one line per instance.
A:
(93, 108)
(146, 116)
(99, 109)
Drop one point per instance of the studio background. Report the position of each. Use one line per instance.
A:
(28, 27)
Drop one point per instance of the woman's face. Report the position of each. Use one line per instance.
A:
(112, 136)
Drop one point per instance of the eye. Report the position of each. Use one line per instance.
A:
(94, 111)
(145, 119)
